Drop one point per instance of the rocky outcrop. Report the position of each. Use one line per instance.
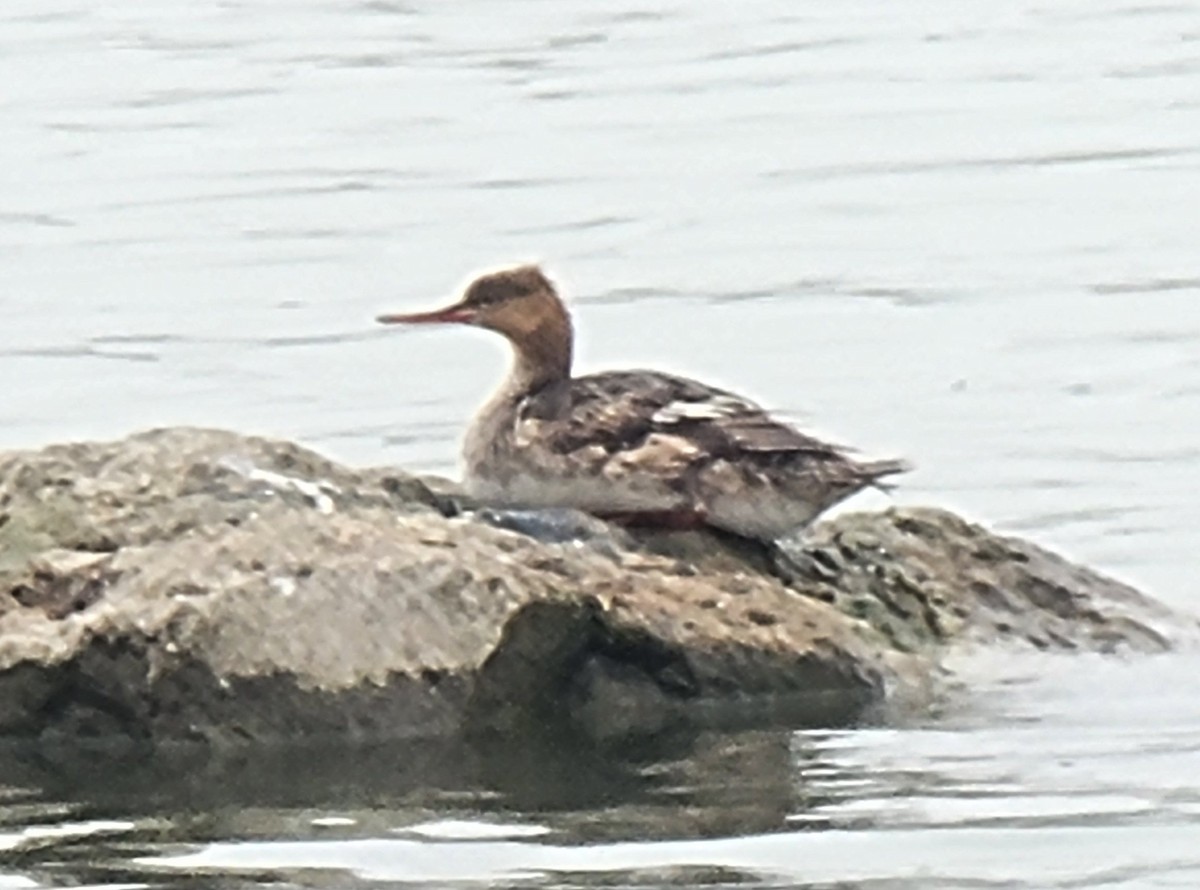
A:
(196, 584)
(928, 578)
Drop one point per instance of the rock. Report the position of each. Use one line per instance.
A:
(927, 578)
(189, 584)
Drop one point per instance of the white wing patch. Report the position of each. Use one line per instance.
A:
(712, 408)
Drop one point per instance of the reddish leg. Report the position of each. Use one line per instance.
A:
(678, 520)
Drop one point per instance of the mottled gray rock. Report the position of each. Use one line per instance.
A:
(926, 578)
(196, 584)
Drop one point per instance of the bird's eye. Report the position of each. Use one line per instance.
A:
(481, 296)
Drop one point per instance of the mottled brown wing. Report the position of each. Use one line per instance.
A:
(618, 410)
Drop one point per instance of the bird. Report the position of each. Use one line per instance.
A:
(635, 447)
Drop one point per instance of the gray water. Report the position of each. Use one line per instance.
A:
(960, 232)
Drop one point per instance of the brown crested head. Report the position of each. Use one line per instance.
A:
(521, 303)
(514, 302)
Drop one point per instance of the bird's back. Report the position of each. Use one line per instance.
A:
(624, 442)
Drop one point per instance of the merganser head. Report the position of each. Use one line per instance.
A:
(522, 304)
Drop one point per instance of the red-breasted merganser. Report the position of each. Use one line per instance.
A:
(638, 447)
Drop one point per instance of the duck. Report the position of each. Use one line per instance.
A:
(634, 447)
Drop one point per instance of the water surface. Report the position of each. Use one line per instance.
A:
(959, 233)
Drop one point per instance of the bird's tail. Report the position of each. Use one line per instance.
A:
(875, 470)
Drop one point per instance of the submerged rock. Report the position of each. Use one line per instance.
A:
(197, 584)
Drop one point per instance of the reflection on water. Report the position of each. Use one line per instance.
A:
(1049, 771)
(956, 233)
